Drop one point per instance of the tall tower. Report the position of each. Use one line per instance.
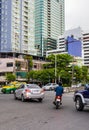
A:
(49, 23)
(30, 26)
(17, 26)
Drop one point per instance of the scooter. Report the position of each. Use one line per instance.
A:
(57, 102)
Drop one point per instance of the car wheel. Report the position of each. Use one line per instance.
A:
(15, 96)
(40, 99)
(4, 92)
(22, 98)
(78, 104)
(12, 91)
(57, 105)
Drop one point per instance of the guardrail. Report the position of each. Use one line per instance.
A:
(72, 89)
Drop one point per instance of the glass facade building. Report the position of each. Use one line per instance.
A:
(49, 23)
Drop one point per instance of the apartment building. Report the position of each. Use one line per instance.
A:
(17, 26)
(86, 48)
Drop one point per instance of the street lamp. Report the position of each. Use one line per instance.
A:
(72, 73)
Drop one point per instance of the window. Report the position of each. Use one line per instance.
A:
(21, 86)
(10, 64)
(35, 66)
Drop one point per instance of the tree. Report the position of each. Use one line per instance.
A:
(77, 74)
(30, 63)
(30, 75)
(18, 65)
(62, 63)
(62, 60)
(84, 74)
(44, 76)
(66, 72)
(65, 77)
(10, 77)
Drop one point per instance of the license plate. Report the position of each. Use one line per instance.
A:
(35, 91)
(58, 100)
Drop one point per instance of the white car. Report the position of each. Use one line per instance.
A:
(50, 86)
(29, 91)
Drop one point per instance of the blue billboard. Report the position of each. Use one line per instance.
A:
(73, 46)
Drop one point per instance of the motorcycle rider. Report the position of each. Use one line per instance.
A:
(59, 91)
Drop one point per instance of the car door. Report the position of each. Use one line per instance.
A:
(86, 95)
(54, 85)
(48, 86)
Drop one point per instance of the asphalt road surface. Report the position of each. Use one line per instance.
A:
(17, 115)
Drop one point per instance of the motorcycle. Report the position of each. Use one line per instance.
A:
(57, 102)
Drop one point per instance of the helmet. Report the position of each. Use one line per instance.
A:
(60, 83)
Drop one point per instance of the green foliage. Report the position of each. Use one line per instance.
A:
(66, 72)
(65, 77)
(43, 76)
(10, 77)
(18, 65)
(85, 74)
(30, 63)
(62, 60)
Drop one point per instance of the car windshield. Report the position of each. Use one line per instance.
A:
(87, 85)
(48, 84)
(32, 86)
(10, 84)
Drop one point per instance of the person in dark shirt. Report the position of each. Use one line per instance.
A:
(59, 91)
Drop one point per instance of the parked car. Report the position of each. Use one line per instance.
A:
(81, 98)
(10, 88)
(50, 86)
(29, 91)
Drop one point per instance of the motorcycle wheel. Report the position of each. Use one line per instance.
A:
(57, 105)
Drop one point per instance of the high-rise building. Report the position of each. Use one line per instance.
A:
(17, 26)
(77, 44)
(85, 39)
(49, 23)
(30, 26)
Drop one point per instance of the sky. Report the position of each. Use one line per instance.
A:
(77, 14)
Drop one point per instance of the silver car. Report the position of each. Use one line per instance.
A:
(29, 91)
(50, 86)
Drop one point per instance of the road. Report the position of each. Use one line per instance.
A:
(17, 115)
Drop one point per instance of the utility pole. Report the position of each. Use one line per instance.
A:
(72, 73)
(73, 64)
(55, 67)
